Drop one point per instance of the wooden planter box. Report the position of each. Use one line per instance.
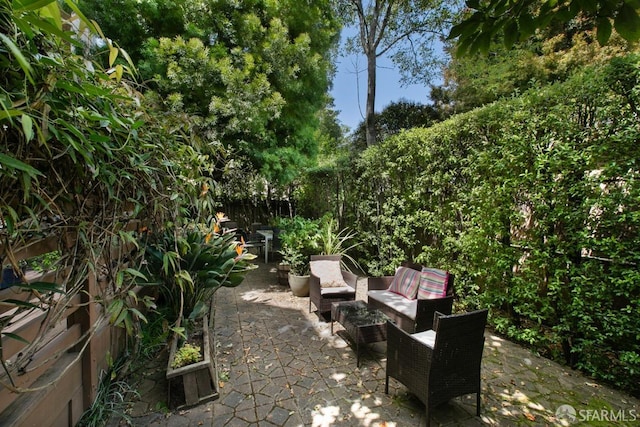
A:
(199, 380)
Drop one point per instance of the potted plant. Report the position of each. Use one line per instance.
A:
(189, 265)
(332, 241)
(298, 239)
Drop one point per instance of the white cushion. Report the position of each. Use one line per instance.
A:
(328, 272)
(336, 290)
(427, 337)
(397, 302)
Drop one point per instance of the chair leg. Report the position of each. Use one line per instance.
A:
(428, 415)
(478, 403)
(386, 385)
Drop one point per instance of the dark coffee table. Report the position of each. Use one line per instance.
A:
(362, 324)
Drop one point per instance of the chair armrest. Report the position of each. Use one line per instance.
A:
(379, 283)
(450, 285)
(350, 278)
(314, 287)
(426, 309)
(408, 359)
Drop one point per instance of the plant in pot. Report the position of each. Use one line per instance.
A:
(189, 265)
(298, 239)
(333, 241)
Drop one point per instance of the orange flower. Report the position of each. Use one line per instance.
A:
(220, 215)
(204, 189)
(216, 228)
(240, 247)
(208, 237)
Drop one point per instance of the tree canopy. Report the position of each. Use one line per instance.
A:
(255, 71)
(517, 20)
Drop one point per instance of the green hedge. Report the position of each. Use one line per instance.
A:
(534, 204)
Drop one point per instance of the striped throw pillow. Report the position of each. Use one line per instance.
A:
(405, 282)
(433, 283)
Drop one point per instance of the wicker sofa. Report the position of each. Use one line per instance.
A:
(410, 314)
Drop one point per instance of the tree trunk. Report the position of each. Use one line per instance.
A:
(371, 98)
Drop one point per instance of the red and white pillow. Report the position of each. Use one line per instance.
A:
(405, 282)
(433, 283)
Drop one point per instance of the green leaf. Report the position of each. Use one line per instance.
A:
(52, 10)
(19, 303)
(603, 31)
(42, 287)
(72, 4)
(467, 27)
(135, 273)
(6, 114)
(526, 26)
(27, 127)
(18, 165)
(15, 337)
(113, 55)
(24, 64)
(26, 5)
(627, 23)
(510, 34)
(138, 314)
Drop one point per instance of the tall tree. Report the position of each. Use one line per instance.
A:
(404, 29)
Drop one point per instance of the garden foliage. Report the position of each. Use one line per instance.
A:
(89, 161)
(533, 203)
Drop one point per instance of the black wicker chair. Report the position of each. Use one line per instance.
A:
(322, 298)
(439, 364)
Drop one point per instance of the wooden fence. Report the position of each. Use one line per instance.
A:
(63, 374)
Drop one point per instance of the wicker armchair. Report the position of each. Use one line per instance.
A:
(439, 364)
(323, 297)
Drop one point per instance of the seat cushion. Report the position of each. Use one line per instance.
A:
(329, 273)
(405, 282)
(427, 337)
(396, 302)
(433, 283)
(327, 291)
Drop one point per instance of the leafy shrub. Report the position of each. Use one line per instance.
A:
(191, 263)
(533, 204)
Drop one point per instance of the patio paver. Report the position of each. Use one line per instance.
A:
(280, 366)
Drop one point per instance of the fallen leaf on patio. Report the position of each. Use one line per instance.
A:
(221, 384)
(530, 417)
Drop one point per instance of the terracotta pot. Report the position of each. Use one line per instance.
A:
(299, 285)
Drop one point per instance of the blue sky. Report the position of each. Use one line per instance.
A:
(350, 88)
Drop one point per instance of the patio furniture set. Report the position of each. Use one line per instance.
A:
(436, 354)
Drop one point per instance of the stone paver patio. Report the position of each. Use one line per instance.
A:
(279, 365)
